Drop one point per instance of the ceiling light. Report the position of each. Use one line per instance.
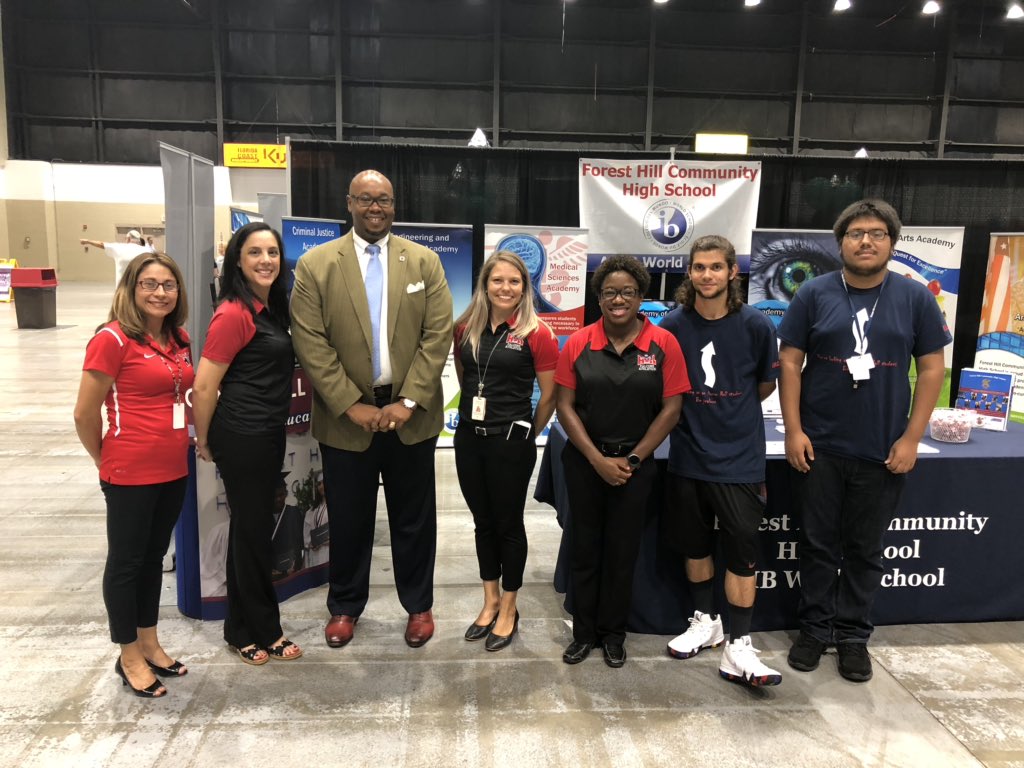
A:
(479, 139)
(841, 5)
(862, 152)
(751, 3)
(931, 7)
(1014, 11)
(660, 2)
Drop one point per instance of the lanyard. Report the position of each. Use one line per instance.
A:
(176, 377)
(861, 338)
(483, 375)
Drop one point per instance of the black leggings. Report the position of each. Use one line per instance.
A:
(140, 519)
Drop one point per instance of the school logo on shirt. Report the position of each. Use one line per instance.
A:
(646, 363)
(515, 343)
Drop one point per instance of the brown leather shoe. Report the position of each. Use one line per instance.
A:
(419, 629)
(339, 630)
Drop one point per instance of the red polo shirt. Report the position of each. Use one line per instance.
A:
(141, 447)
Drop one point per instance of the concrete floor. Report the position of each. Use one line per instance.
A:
(942, 695)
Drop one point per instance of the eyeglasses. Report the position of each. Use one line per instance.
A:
(149, 285)
(608, 294)
(365, 201)
(856, 235)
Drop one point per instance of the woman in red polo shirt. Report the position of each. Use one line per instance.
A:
(248, 357)
(620, 384)
(501, 346)
(138, 364)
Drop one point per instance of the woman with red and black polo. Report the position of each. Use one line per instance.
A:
(139, 366)
(501, 347)
(620, 384)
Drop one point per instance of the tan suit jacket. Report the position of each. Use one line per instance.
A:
(332, 337)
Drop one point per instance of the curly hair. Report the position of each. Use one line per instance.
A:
(686, 294)
(628, 264)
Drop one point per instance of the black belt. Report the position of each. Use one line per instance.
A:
(382, 395)
(616, 450)
(490, 431)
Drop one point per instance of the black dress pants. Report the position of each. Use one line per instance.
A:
(351, 482)
(140, 519)
(250, 466)
(494, 475)
(607, 527)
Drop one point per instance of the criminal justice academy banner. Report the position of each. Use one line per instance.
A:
(1001, 334)
(654, 210)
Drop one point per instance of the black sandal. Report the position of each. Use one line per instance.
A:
(177, 669)
(277, 651)
(248, 655)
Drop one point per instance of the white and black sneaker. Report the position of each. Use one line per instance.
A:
(704, 632)
(740, 664)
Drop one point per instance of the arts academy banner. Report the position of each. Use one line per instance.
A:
(654, 210)
(1001, 333)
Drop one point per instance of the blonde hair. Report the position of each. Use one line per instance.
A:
(478, 313)
(126, 312)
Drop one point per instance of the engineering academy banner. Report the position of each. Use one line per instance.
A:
(654, 210)
(1001, 334)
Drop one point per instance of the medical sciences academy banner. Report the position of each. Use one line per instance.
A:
(654, 210)
(1001, 335)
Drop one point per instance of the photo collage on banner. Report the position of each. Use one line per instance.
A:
(1001, 333)
(556, 259)
(781, 260)
(301, 535)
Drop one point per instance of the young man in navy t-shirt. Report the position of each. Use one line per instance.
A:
(717, 454)
(848, 435)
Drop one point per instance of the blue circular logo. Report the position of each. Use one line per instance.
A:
(530, 250)
(451, 420)
(667, 226)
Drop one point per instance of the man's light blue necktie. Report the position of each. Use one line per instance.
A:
(374, 291)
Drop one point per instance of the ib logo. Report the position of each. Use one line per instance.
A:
(451, 419)
(666, 226)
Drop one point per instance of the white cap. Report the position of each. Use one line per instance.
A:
(134, 234)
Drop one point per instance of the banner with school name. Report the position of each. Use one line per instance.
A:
(300, 234)
(1001, 332)
(654, 209)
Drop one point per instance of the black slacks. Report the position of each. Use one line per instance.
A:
(607, 527)
(351, 480)
(140, 519)
(250, 466)
(494, 475)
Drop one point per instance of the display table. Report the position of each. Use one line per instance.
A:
(952, 550)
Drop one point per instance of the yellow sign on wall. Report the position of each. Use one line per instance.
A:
(255, 156)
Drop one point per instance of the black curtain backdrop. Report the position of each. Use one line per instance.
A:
(460, 185)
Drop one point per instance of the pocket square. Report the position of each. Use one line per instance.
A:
(415, 287)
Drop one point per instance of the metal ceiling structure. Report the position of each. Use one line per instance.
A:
(104, 80)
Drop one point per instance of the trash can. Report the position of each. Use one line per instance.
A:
(35, 297)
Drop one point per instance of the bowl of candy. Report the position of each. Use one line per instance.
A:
(950, 425)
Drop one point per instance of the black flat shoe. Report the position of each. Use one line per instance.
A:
(614, 655)
(576, 652)
(177, 669)
(497, 642)
(149, 692)
(476, 632)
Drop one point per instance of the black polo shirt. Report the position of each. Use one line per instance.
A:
(256, 391)
(508, 365)
(618, 396)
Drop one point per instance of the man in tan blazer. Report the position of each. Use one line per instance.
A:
(377, 408)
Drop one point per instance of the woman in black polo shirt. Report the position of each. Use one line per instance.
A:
(501, 346)
(620, 384)
(248, 356)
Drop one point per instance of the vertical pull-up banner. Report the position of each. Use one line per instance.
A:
(1001, 334)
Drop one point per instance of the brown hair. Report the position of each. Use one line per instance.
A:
(126, 312)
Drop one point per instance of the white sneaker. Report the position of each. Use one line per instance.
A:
(740, 664)
(704, 632)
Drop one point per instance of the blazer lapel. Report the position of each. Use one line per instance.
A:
(353, 280)
(398, 262)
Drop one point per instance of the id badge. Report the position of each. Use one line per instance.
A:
(479, 408)
(178, 416)
(860, 366)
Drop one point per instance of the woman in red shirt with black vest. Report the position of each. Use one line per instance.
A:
(139, 365)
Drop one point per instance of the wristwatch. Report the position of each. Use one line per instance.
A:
(410, 404)
(634, 461)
